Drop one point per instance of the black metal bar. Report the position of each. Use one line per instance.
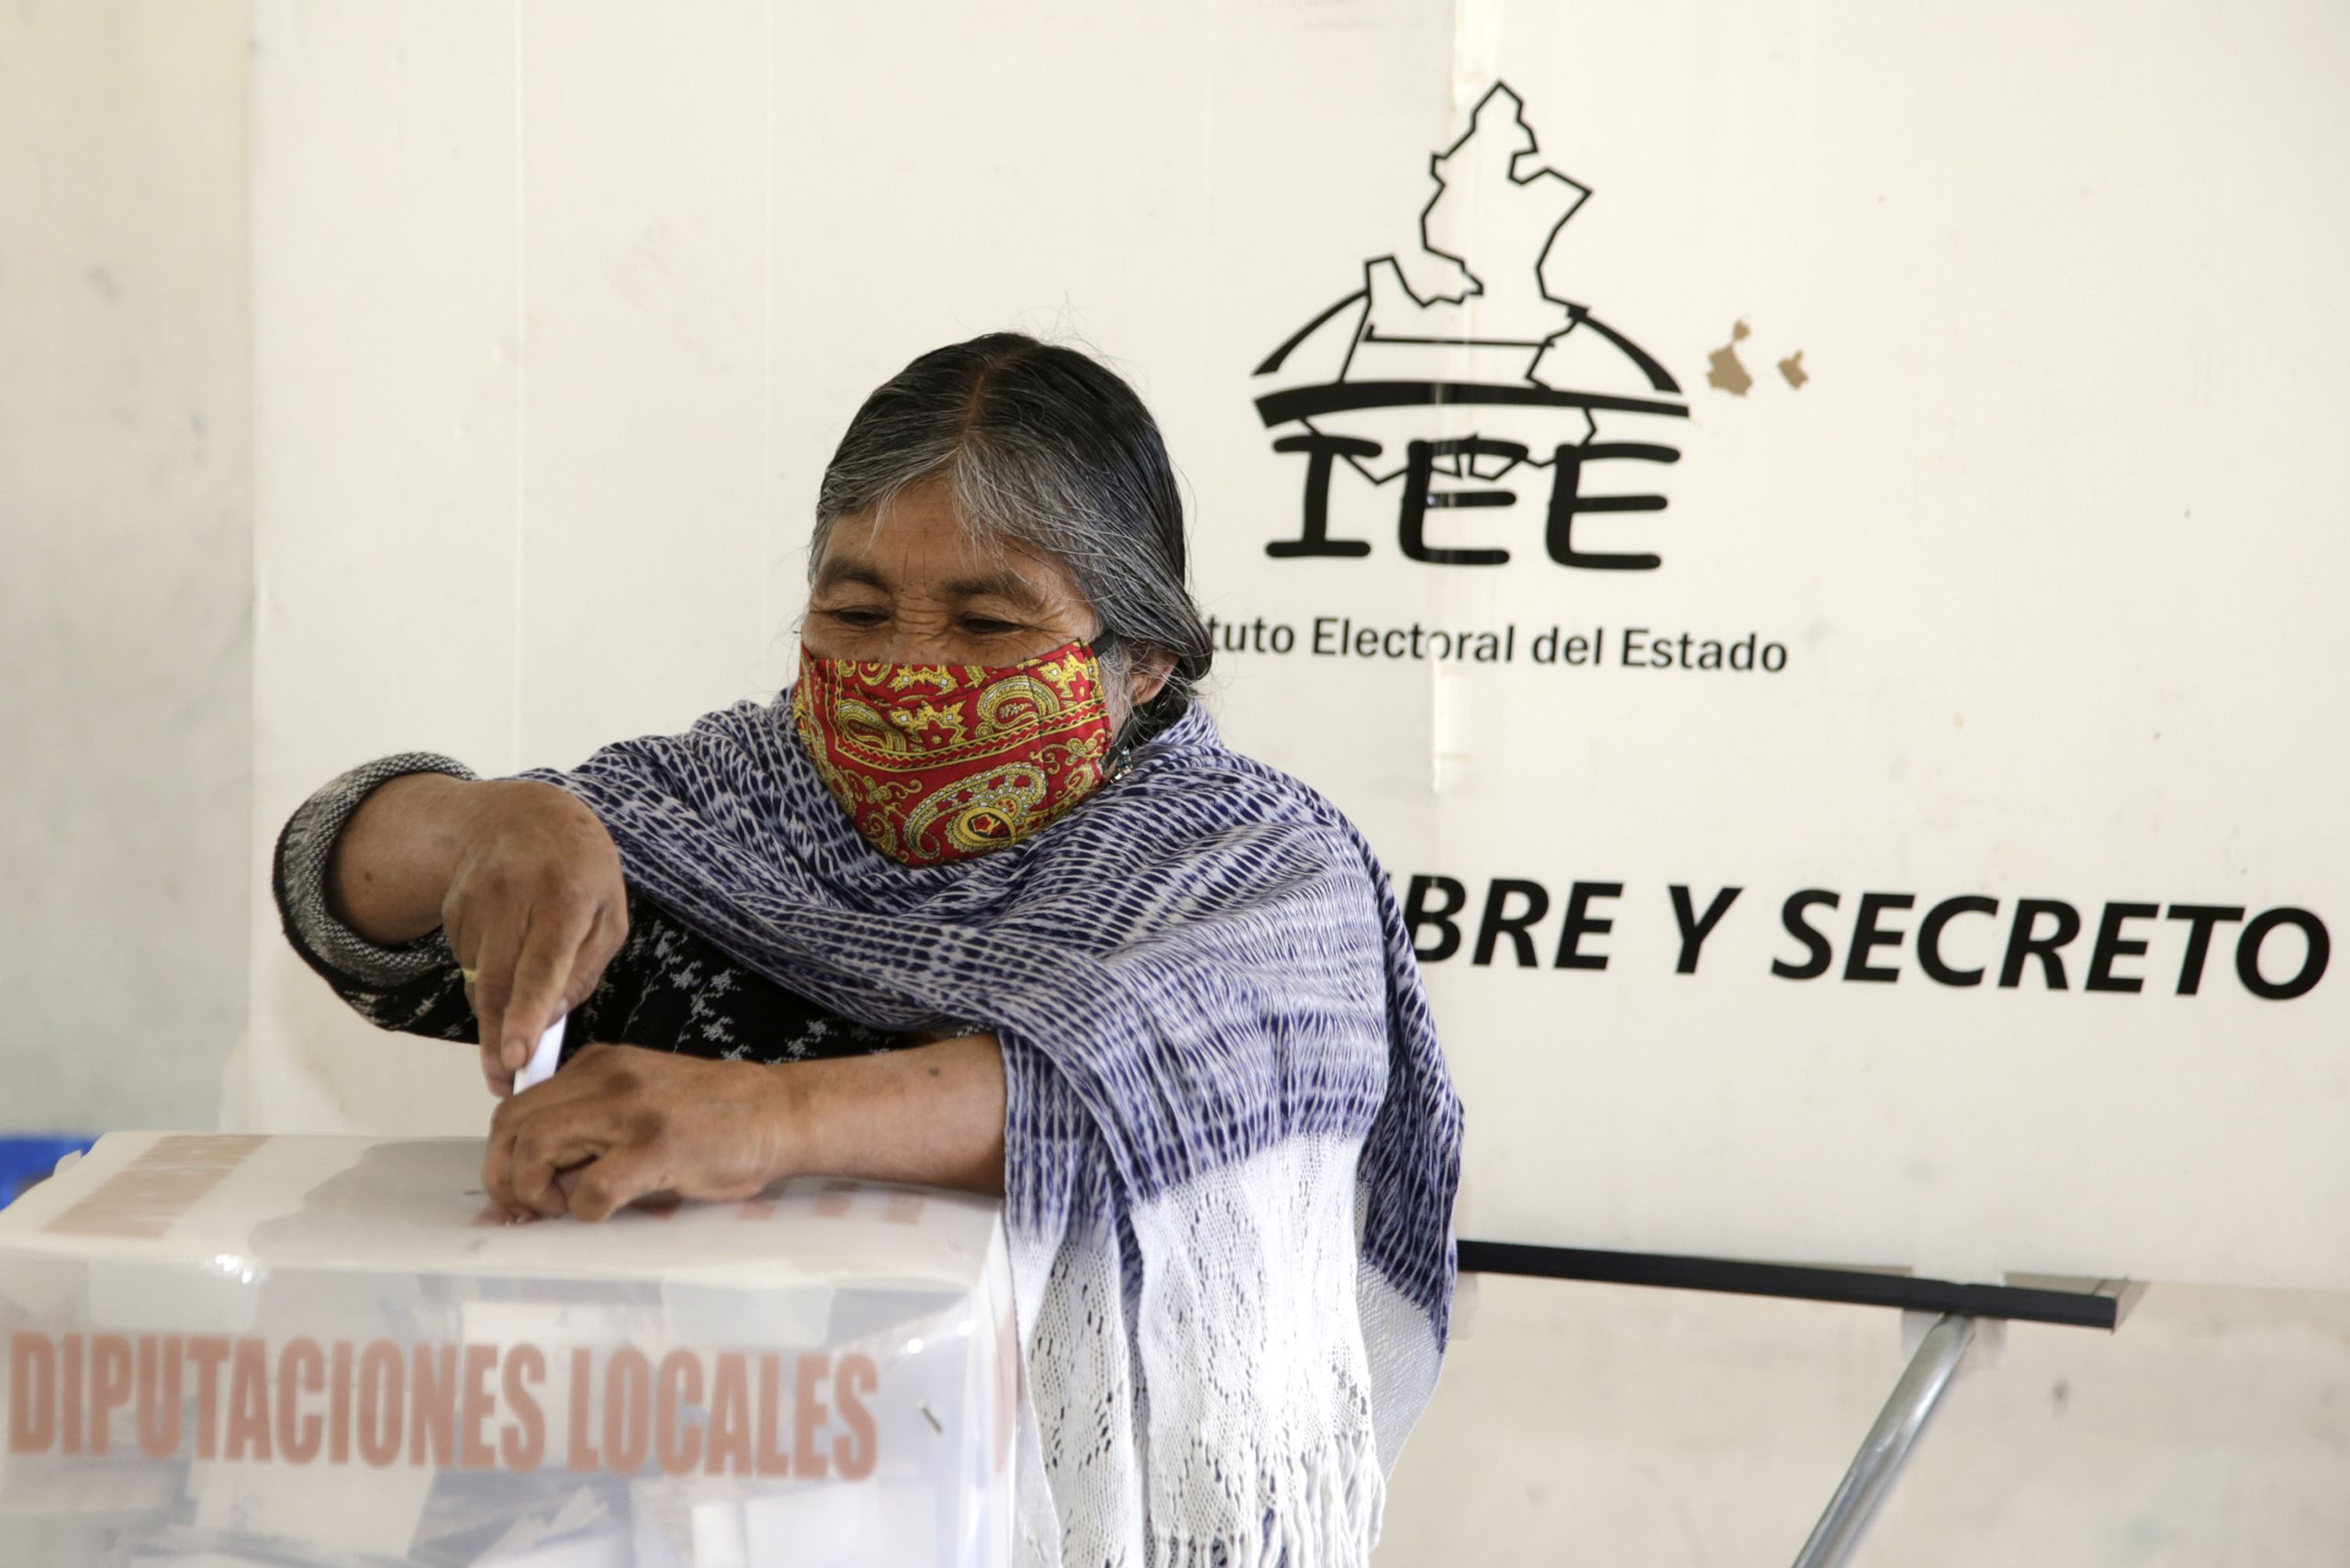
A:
(1345, 396)
(2078, 1309)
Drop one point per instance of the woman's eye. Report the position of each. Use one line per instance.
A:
(859, 618)
(981, 625)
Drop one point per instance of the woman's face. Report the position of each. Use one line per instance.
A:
(912, 586)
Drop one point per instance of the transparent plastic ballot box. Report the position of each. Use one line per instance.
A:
(226, 1350)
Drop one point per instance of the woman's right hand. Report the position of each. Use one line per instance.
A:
(535, 908)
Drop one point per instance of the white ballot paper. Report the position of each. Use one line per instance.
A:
(544, 1058)
(227, 1349)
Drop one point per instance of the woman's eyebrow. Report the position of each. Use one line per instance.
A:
(832, 573)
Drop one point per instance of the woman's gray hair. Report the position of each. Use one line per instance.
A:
(1044, 448)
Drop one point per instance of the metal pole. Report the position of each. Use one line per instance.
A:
(1887, 1444)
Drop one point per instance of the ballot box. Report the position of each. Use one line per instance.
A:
(226, 1350)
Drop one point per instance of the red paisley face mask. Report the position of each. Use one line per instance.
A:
(942, 762)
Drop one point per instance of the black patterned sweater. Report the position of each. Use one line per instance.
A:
(668, 989)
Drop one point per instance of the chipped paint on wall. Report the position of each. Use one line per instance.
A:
(1722, 367)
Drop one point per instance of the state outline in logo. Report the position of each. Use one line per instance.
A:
(1503, 317)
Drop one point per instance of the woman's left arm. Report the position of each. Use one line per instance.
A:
(619, 1123)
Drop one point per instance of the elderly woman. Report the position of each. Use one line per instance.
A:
(982, 901)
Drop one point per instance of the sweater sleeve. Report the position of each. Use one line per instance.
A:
(414, 987)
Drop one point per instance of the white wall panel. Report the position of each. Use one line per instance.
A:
(389, 340)
(646, 488)
(2037, 532)
(126, 571)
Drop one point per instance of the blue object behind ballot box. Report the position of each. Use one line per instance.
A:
(25, 1160)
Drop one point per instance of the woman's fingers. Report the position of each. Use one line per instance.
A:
(494, 1073)
(544, 1147)
(611, 1182)
(622, 1124)
(534, 911)
(544, 970)
(528, 969)
(606, 934)
(497, 1156)
(489, 975)
(525, 1126)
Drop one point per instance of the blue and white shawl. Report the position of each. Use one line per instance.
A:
(1231, 1146)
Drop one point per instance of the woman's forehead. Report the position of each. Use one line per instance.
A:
(921, 543)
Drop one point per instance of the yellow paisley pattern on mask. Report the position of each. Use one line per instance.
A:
(936, 763)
